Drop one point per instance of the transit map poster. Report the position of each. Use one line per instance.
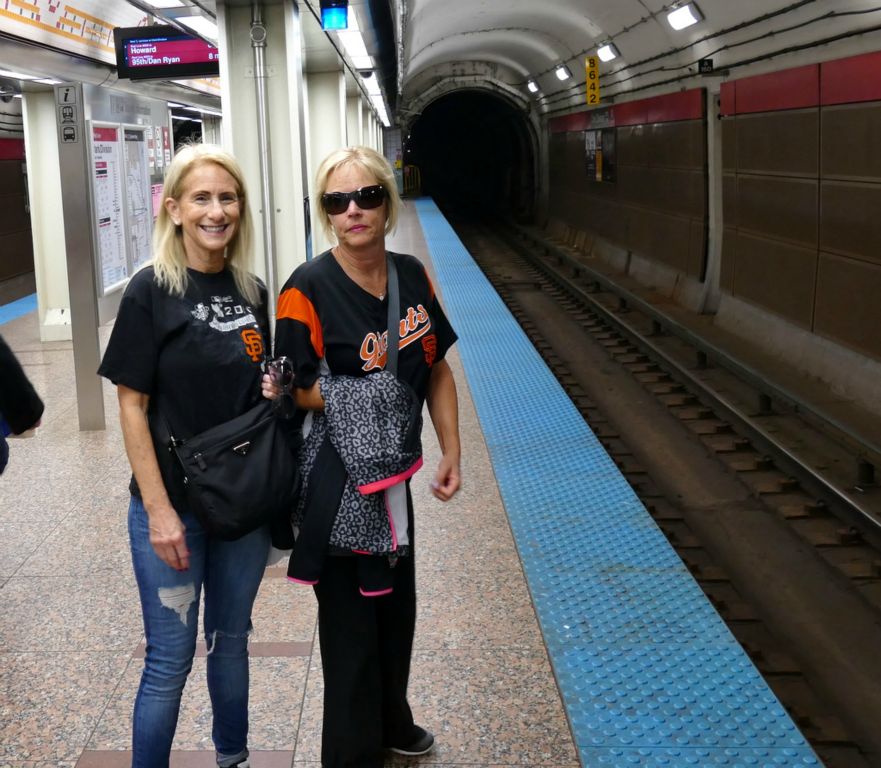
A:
(107, 173)
(139, 203)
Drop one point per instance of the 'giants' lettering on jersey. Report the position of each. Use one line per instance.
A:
(415, 324)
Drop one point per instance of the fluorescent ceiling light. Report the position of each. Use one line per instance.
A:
(16, 75)
(48, 81)
(200, 25)
(166, 3)
(533, 86)
(684, 16)
(563, 72)
(353, 44)
(607, 52)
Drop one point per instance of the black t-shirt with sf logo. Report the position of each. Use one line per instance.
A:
(198, 357)
(326, 319)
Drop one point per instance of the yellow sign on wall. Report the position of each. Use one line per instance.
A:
(592, 79)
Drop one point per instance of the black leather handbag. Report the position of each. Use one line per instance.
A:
(241, 474)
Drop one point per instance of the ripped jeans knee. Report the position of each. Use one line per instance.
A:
(222, 643)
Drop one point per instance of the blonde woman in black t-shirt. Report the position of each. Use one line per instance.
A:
(188, 342)
(332, 321)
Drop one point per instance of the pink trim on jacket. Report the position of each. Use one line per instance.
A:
(378, 593)
(388, 482)
(302, 581)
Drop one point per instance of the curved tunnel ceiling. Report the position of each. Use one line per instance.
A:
(444, 44)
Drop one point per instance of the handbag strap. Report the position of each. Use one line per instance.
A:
(174, 442)
(394, 320)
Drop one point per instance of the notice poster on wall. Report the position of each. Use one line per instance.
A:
(157, 148)
(166, 145)
(151, 151)
(139, 205)
(107, 186)
(156, 193)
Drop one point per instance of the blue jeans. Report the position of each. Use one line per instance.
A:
(230, 572)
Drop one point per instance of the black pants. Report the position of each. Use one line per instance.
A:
(366, 644)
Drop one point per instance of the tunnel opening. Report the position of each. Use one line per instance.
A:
(475, 156)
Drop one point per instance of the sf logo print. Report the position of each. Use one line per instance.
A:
(253, 343)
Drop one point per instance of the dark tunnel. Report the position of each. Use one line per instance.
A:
(475, 156)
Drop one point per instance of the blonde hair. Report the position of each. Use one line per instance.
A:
(169, 256)
(368, 160)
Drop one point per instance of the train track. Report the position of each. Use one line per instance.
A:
(774, 511)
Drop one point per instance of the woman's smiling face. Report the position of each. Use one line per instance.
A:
(208, 211)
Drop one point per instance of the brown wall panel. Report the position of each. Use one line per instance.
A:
(632, 148)
(850, 219)
(639, 233)
(657, 204)
(669, 241)
(13, 216)
(729, 254)
(848, 310)
(779, 207)
(631, 184)
(729, 144)
(776, 276)
(697, 249)
(729, 199)
(779, 142)
(850, 146)
(676, 145)
(18, 254)
(11, 178)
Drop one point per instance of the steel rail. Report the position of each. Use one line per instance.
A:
(863, 445)
(858, 515)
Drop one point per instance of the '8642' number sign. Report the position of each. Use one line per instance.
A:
(592, 79)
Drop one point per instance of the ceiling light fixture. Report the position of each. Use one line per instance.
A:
(682, 16)
(563, 72)
(16, 75)
(200, 25)
(354, 43)
(533, 86)
(608, 52)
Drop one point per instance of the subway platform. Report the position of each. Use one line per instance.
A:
(555, 626)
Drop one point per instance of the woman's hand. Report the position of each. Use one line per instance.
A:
(168, 539)
(270, 390)
(447, 479)
(443, 407)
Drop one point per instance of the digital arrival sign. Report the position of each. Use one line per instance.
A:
(163, 53)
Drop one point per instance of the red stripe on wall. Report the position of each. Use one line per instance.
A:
(578, 121)
(788, 89)
(727, 100)
(11, 149)
(687, 105)
(850, 80)
(631, 113)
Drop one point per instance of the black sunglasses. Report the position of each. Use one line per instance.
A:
(365, 198)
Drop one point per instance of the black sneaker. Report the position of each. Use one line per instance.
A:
(421, 744)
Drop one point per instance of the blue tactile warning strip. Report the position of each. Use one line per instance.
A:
(648, 671)
(15, 309)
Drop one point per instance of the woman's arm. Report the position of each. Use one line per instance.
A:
(443, 407)
(307, 399)
(166, 528)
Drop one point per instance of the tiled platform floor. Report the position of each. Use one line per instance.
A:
(71, 637)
